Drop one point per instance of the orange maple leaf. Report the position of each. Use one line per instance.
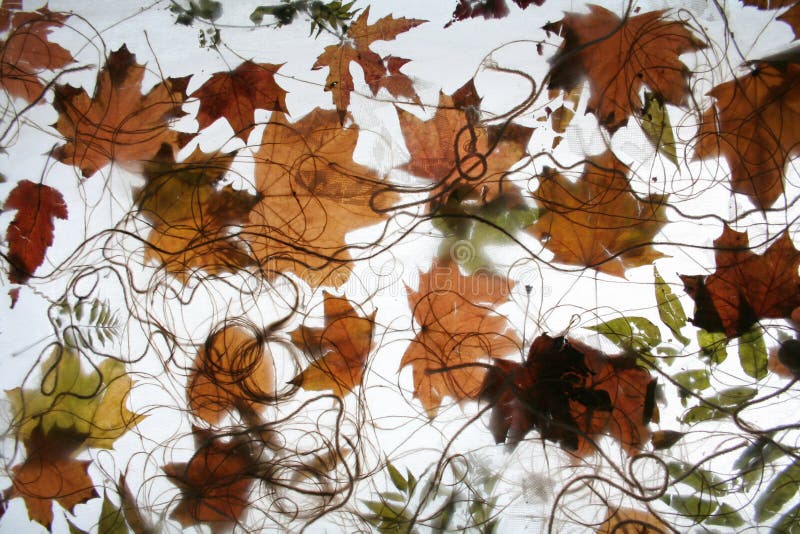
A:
(236, 95)
(432, 145)
(50, 473)
(339, 350)
(192, 217)
(313, 194)
(570, 393)
(458, 331)
(232, 370)
(26, 51)
(355, 48)
(30, 234)
(755, 125)
(746, 286)
(597, 221)
(618, 56)
(215, 483)
(118, 123)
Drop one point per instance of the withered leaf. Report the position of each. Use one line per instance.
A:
(27, 51)
(355, 48)
(458, 332)
(630, 521)
(746, 286)
(398, 84)
(339, 350)
(214, 483)
(50, 473)
(571, 394)
(236, 95)
(232, 370)
(118, 123)
(488, 9)
(30, 234)
(432, 146)
(755, 125)
(618, 57)
(192, 216)
(312, 195)
(597, 221)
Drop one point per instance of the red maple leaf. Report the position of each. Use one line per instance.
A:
(31, 232)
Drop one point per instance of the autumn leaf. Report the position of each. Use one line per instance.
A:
(68, 399)
(619, 56)
(30, 234)
(231, 370)
(355, 48)
(27, 51)
(214, 483)
(597, 221)
(488, 9)
(192, 215)
(312, 195)
(432, 146)
(118, 123)
(571, 394)
(50, 473)
(398, 84)
(746, 286)
(339, 350)
(458, 331)
(236, 95)
(630, 521)
(754, 124)
(791, 16)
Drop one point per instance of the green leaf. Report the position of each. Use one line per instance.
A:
(751, 462)
(725, 516)
(630, 333)
(699, 414)
(397, 478)
(753, 353)
(670, 309)
(445, 515)
(692, 507)
(412, 481)
(393, 496)
(111, 519)
(691, 381)
(788, 523)
(733, 396)
(702, 480)
(657, 127)
(778, 492)
(713, 345)
(73, 528)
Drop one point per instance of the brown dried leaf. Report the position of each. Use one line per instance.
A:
(236, 95)
(458, 331)
(597, 221)
(232, 370)
(618, 56)
(339, 350)
(118, 123)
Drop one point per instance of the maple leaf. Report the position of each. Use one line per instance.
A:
(30, 234)
(432, 146)
(618, 56)
(92, 405)
(50, 473)
(312, 195)
(340, 349)
(398, 84)
(27, 51)
(231, 370)
(236, 95)
(458, 331)
(355, 48)
(192, 215)
(631, 521)
(570, 393)
(214, 483)
(597, 221)
(754, 125)
(746, 286)
(118, 123)
(488, 9)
